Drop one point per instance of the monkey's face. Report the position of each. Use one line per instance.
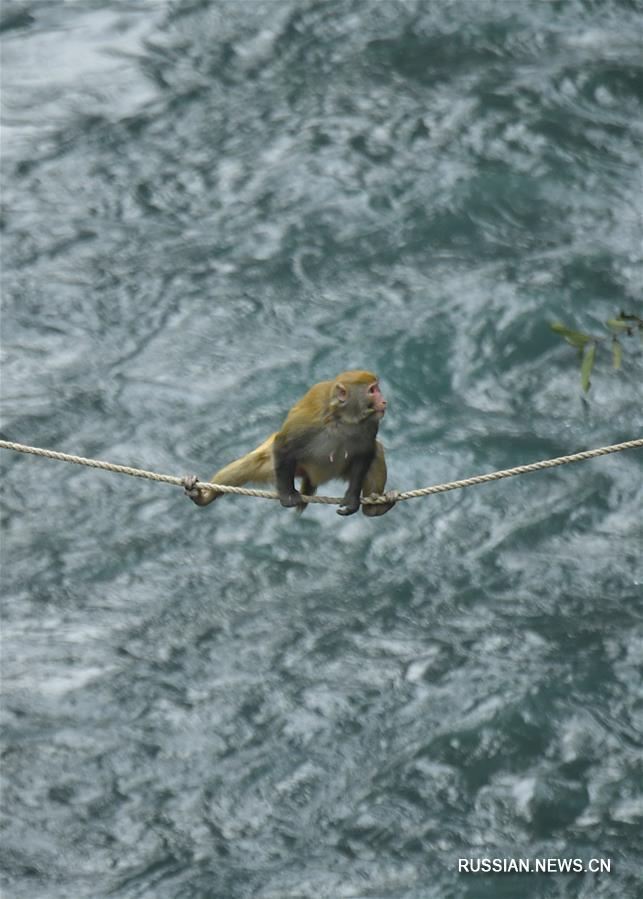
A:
(376, 400)
(357, 397)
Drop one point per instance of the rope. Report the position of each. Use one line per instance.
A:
(327, 500)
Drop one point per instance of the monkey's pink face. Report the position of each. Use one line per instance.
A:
(376, 399)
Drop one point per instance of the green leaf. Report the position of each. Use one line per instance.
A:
(618, 324)
(617, 353)
(587, 366)
(576, 338)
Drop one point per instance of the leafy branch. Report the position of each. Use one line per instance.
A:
(624, 325)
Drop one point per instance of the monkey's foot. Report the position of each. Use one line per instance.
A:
(381, 508)
(198, 495)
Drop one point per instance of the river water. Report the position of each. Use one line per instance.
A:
(207, 207)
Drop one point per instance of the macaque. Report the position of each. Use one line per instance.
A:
(329, 433)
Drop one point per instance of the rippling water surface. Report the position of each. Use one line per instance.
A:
(207, 207)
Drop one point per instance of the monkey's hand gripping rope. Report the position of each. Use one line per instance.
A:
(328, 500)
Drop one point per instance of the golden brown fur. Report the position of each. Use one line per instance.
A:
(329, 433)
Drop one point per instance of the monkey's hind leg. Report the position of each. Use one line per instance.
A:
(255, 467)
(375, 482)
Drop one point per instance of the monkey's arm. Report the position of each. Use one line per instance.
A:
(360, 466)
(255, 467)
(285, 466)
(375, 482)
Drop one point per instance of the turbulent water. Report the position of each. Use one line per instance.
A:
(207, 207)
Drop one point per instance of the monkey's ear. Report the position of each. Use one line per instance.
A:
(340, 393)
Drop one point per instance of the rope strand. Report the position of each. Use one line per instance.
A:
(327, 500)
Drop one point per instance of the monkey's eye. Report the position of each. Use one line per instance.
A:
(373, 388)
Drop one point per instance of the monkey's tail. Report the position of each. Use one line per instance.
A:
(255, 467)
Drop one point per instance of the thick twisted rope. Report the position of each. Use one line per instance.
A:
(328, 500)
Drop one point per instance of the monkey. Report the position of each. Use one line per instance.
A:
(330, 433)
